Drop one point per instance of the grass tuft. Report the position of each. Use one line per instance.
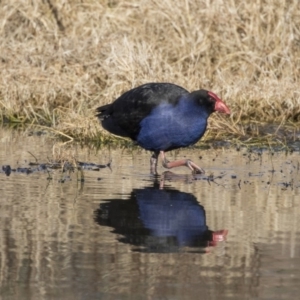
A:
(60, 60)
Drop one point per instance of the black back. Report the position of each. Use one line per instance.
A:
(123, 116)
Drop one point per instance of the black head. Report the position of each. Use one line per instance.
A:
(210, 101)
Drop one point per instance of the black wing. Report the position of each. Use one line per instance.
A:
(123, 116)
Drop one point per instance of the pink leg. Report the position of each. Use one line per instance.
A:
(218, 236)
(178, 163)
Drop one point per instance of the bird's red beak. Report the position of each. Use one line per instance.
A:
(220, 106)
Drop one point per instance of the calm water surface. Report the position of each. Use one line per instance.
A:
(118, 235)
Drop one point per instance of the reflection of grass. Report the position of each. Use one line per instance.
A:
(60, 61)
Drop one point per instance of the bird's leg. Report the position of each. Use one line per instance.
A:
(153, 163)
(218, 236)
(182, 162)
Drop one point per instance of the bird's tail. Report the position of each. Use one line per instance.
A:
(102, 112)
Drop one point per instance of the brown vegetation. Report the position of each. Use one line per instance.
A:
(61, 59)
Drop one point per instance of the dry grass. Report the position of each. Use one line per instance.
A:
(61, 59)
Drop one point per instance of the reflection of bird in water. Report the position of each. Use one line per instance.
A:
(159, 221)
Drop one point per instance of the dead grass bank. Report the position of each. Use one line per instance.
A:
(61, 59)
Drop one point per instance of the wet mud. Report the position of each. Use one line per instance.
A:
(47, 167)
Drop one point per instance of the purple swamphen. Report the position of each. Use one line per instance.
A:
(161, 117)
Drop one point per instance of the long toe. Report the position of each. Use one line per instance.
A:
(195, 168)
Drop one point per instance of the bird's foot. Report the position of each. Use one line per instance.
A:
(195, 168)
(178, 163)
(183, 162)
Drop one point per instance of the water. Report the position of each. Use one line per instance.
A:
(116, 235)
